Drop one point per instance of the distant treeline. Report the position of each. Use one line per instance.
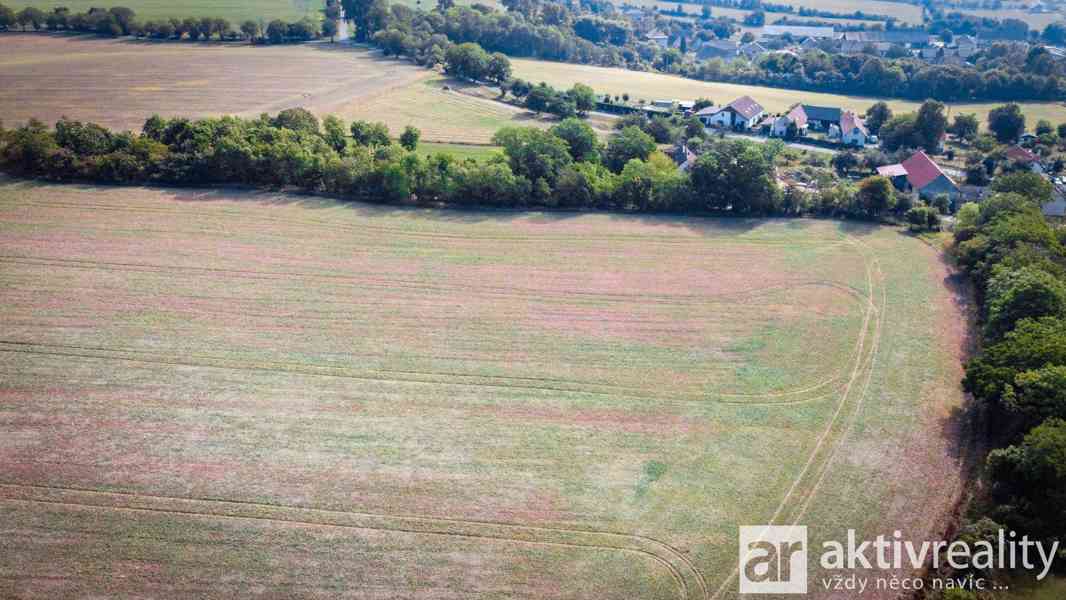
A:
(1003, 72)
(564, 167)
(122, 21)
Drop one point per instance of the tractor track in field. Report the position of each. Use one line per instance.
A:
(862, 366)
(613, 390)
(691, 583)
(368, 279)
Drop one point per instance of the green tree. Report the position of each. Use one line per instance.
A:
(1043, 127)
(297, 119)
(498, 69)
(931, 124)
(533, 153)
(1026, 183)
(584, 98)
(31, 16)
(626, 145)
(335, 134)
(330, 29)
(965, 126)
(251, 30)
(277, 31)
(1016, 294)
(1007, 122)
(1030, 480)
(366, 133)
(877, 115)
(409, 138)
(467, 61)
(736, 176)
(7, 18)
(876, 195)
(580, 138)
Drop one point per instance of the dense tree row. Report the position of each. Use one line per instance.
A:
(122, 21)
(567, 166)
(1018, 264)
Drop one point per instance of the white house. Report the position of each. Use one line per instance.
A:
(658, 37)
(742, 113)
(853, 130)
(796, 116)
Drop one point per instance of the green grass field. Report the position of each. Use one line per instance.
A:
(212, 393)
(234, 10)
(653, 86)
(460, 151)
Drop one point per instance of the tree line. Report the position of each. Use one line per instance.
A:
(122, 21)
(567, 166)
(1017, 262)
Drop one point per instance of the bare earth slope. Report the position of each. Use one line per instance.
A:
(224, 393)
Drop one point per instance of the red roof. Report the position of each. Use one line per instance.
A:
(921, 170)
(798, 116)
(1019, 154)
(746, 106)
(849, 121)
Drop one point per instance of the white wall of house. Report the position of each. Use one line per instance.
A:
(779, 127)
(743, 123)
(722, 118)
(855, 137)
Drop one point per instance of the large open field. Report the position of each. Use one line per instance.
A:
(219, 394)
(47, 77)
(652, 86)
(234, 10)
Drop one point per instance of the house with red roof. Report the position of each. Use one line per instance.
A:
(1026, 157)
(742, 113)
(796, 117)
(920, 174)
(853, 130)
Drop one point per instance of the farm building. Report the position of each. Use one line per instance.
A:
(776, 32)
(658, 37)
(914, 38)
(820, 118)
(742, 113)
(920, 174)
(1056, 208)
(753, 50)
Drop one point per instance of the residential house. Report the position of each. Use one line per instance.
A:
(795, 117)
(683, 156)
(1055, 208)
(920, 174)
(1025, 157)
(752, 50)
(724, 49)
(809, 43)
(658, 37)
(820, 118)
(965, 46)
(853, 130)
(742, 113)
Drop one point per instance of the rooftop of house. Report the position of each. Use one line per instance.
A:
(921, 170)
(1022, 155)
(798, 115)
(822, 113)
(799, 32)
(916, 36)
(850, 121)
(896, 170)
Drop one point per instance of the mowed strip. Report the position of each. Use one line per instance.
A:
(636, 378)
(120, 83)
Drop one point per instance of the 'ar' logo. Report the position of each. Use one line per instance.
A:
(773, 560)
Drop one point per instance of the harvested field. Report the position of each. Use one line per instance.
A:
(120, 83)
(229, 393)
(652, 86)
(234, 10)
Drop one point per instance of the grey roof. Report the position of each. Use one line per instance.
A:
(895, 36)
(799, 32)
(822, 113)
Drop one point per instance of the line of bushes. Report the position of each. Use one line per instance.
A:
(1017, 262)
(122, 21)
(565, 167)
